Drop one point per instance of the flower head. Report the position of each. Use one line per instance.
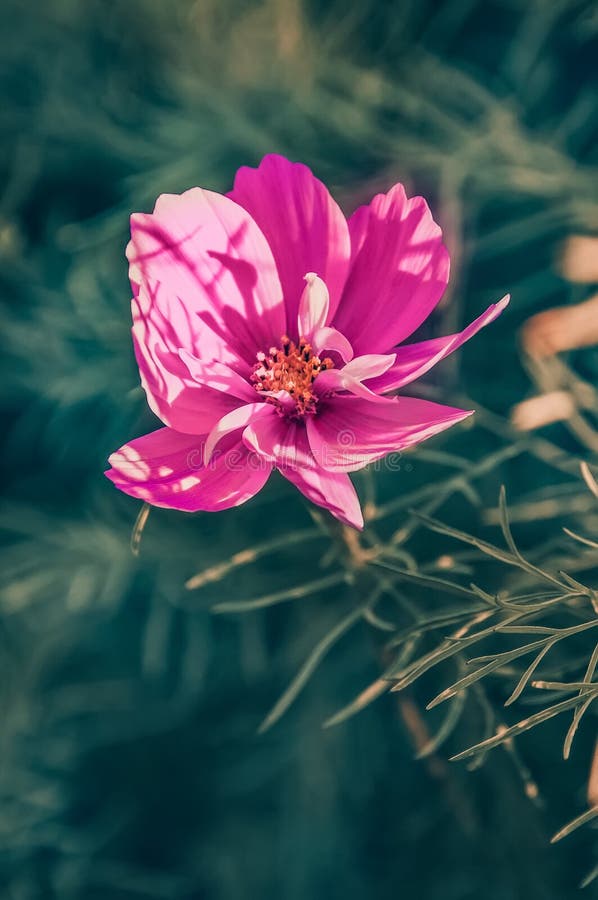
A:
(269, 333)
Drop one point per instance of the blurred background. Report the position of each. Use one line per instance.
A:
(131, 765)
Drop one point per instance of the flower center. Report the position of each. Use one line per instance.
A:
(292, 368)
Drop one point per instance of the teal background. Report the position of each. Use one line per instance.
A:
(131, 764)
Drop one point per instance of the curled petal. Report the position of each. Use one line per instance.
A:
(238, 418)
(414, 360)
(329, 340)
(313, 306)
(166, 468)
(369, 366)
(283, 400)
(351, 377)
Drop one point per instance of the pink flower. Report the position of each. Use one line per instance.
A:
(268, 330)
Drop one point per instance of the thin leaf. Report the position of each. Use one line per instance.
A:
(504, 523)
(565, 686)
(308, 667)
(526, 629)
(487, 464)
(447, 649)
(578, 716)
(426, 580)
(294, 593)
(446, 729)
(519, 728)
(377, 621)
(421, 627)
(138, 527)
(561, 634)
(580, 538)
(371, 693)
(497, 662)
(486, 548)
(590, 877)
(589, 478)
(583, 819)
(250, 555)
(521, 684)
(581, 711)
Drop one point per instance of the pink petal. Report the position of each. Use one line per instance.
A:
(313, 306)
(335, 382)
(217, 375)
(330, 340)
(399, 271)
(351, 376)
(216, 266)
(332, 490)
(165, 468)
(303, 225)
(158, 314)
(238, 418)
(279, 441)
(369, 366)
(172, 394)
(349, 433)
(286, 445)
(414, 360)
(283, 399)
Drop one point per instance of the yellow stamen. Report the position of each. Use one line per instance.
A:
(292, 368)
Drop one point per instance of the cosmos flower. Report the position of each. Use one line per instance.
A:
(269, 332)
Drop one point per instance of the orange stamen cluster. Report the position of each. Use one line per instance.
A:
(292, 368)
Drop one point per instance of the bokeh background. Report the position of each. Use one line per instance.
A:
(130, 764)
